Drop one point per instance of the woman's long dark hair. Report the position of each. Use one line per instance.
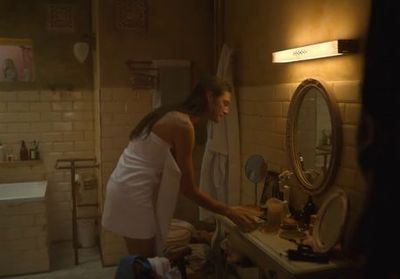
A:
(195, 104)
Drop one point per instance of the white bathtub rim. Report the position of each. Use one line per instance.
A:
(38, 194)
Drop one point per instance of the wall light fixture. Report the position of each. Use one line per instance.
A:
(83, 46)
(81, 51)
(314, 51)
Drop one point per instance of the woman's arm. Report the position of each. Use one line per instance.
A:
(183, 145)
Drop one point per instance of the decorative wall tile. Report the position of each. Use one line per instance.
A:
(60, 17)
(131, 14)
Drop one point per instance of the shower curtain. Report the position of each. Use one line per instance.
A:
(220, 173)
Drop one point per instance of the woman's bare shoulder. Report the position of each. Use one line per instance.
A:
(174, 126)
(179, 119)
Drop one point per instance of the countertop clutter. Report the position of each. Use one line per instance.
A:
(288, 251)
(269, 252)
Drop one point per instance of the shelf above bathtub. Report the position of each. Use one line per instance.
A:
(15, 164)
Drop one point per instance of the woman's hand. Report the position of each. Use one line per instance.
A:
(243, 220)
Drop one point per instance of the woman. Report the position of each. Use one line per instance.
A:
(129, 206)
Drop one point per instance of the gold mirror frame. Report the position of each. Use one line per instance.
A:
(336, 135)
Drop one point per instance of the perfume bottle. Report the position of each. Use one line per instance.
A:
(308, 210)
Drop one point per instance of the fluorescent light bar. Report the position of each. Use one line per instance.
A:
(314, 51)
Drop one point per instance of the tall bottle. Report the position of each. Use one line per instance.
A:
(2, 154)
(34, 151)
(37, 150)
(23, 152)
(309, 209)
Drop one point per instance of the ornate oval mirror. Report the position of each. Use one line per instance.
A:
(314, 136)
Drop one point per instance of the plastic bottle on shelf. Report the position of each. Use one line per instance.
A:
(2, 155)
(34, 151)
(23, 152)
(37, 149)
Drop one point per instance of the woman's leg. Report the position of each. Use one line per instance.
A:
(142, 247)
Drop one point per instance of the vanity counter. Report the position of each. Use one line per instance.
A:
(268, 252)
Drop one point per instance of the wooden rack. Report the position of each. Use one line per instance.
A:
(73, 164)
(143, 74)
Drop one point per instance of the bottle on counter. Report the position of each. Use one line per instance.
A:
(23, 152)
(308, 210)
(286, 197)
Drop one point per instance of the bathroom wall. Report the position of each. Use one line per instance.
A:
(177, 29)
(56, 109)
(257, 29)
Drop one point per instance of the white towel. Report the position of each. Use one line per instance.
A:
(162, 267)
(220, 170)
(166, 200)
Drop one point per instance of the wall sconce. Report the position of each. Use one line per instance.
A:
(315, 51)
(81, 51)
(81, 48)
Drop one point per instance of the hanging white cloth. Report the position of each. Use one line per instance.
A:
(220, 169)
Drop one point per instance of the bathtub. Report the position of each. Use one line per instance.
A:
(23, 191)
(23, 228)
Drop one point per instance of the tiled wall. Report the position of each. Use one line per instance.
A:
(263, 116)
(62, 122)
(23, 238)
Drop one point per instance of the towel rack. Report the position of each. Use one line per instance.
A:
(73, 164)
(143, 74)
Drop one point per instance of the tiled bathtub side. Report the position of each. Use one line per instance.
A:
(23, 238)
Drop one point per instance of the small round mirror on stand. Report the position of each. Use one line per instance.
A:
(256, 170)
